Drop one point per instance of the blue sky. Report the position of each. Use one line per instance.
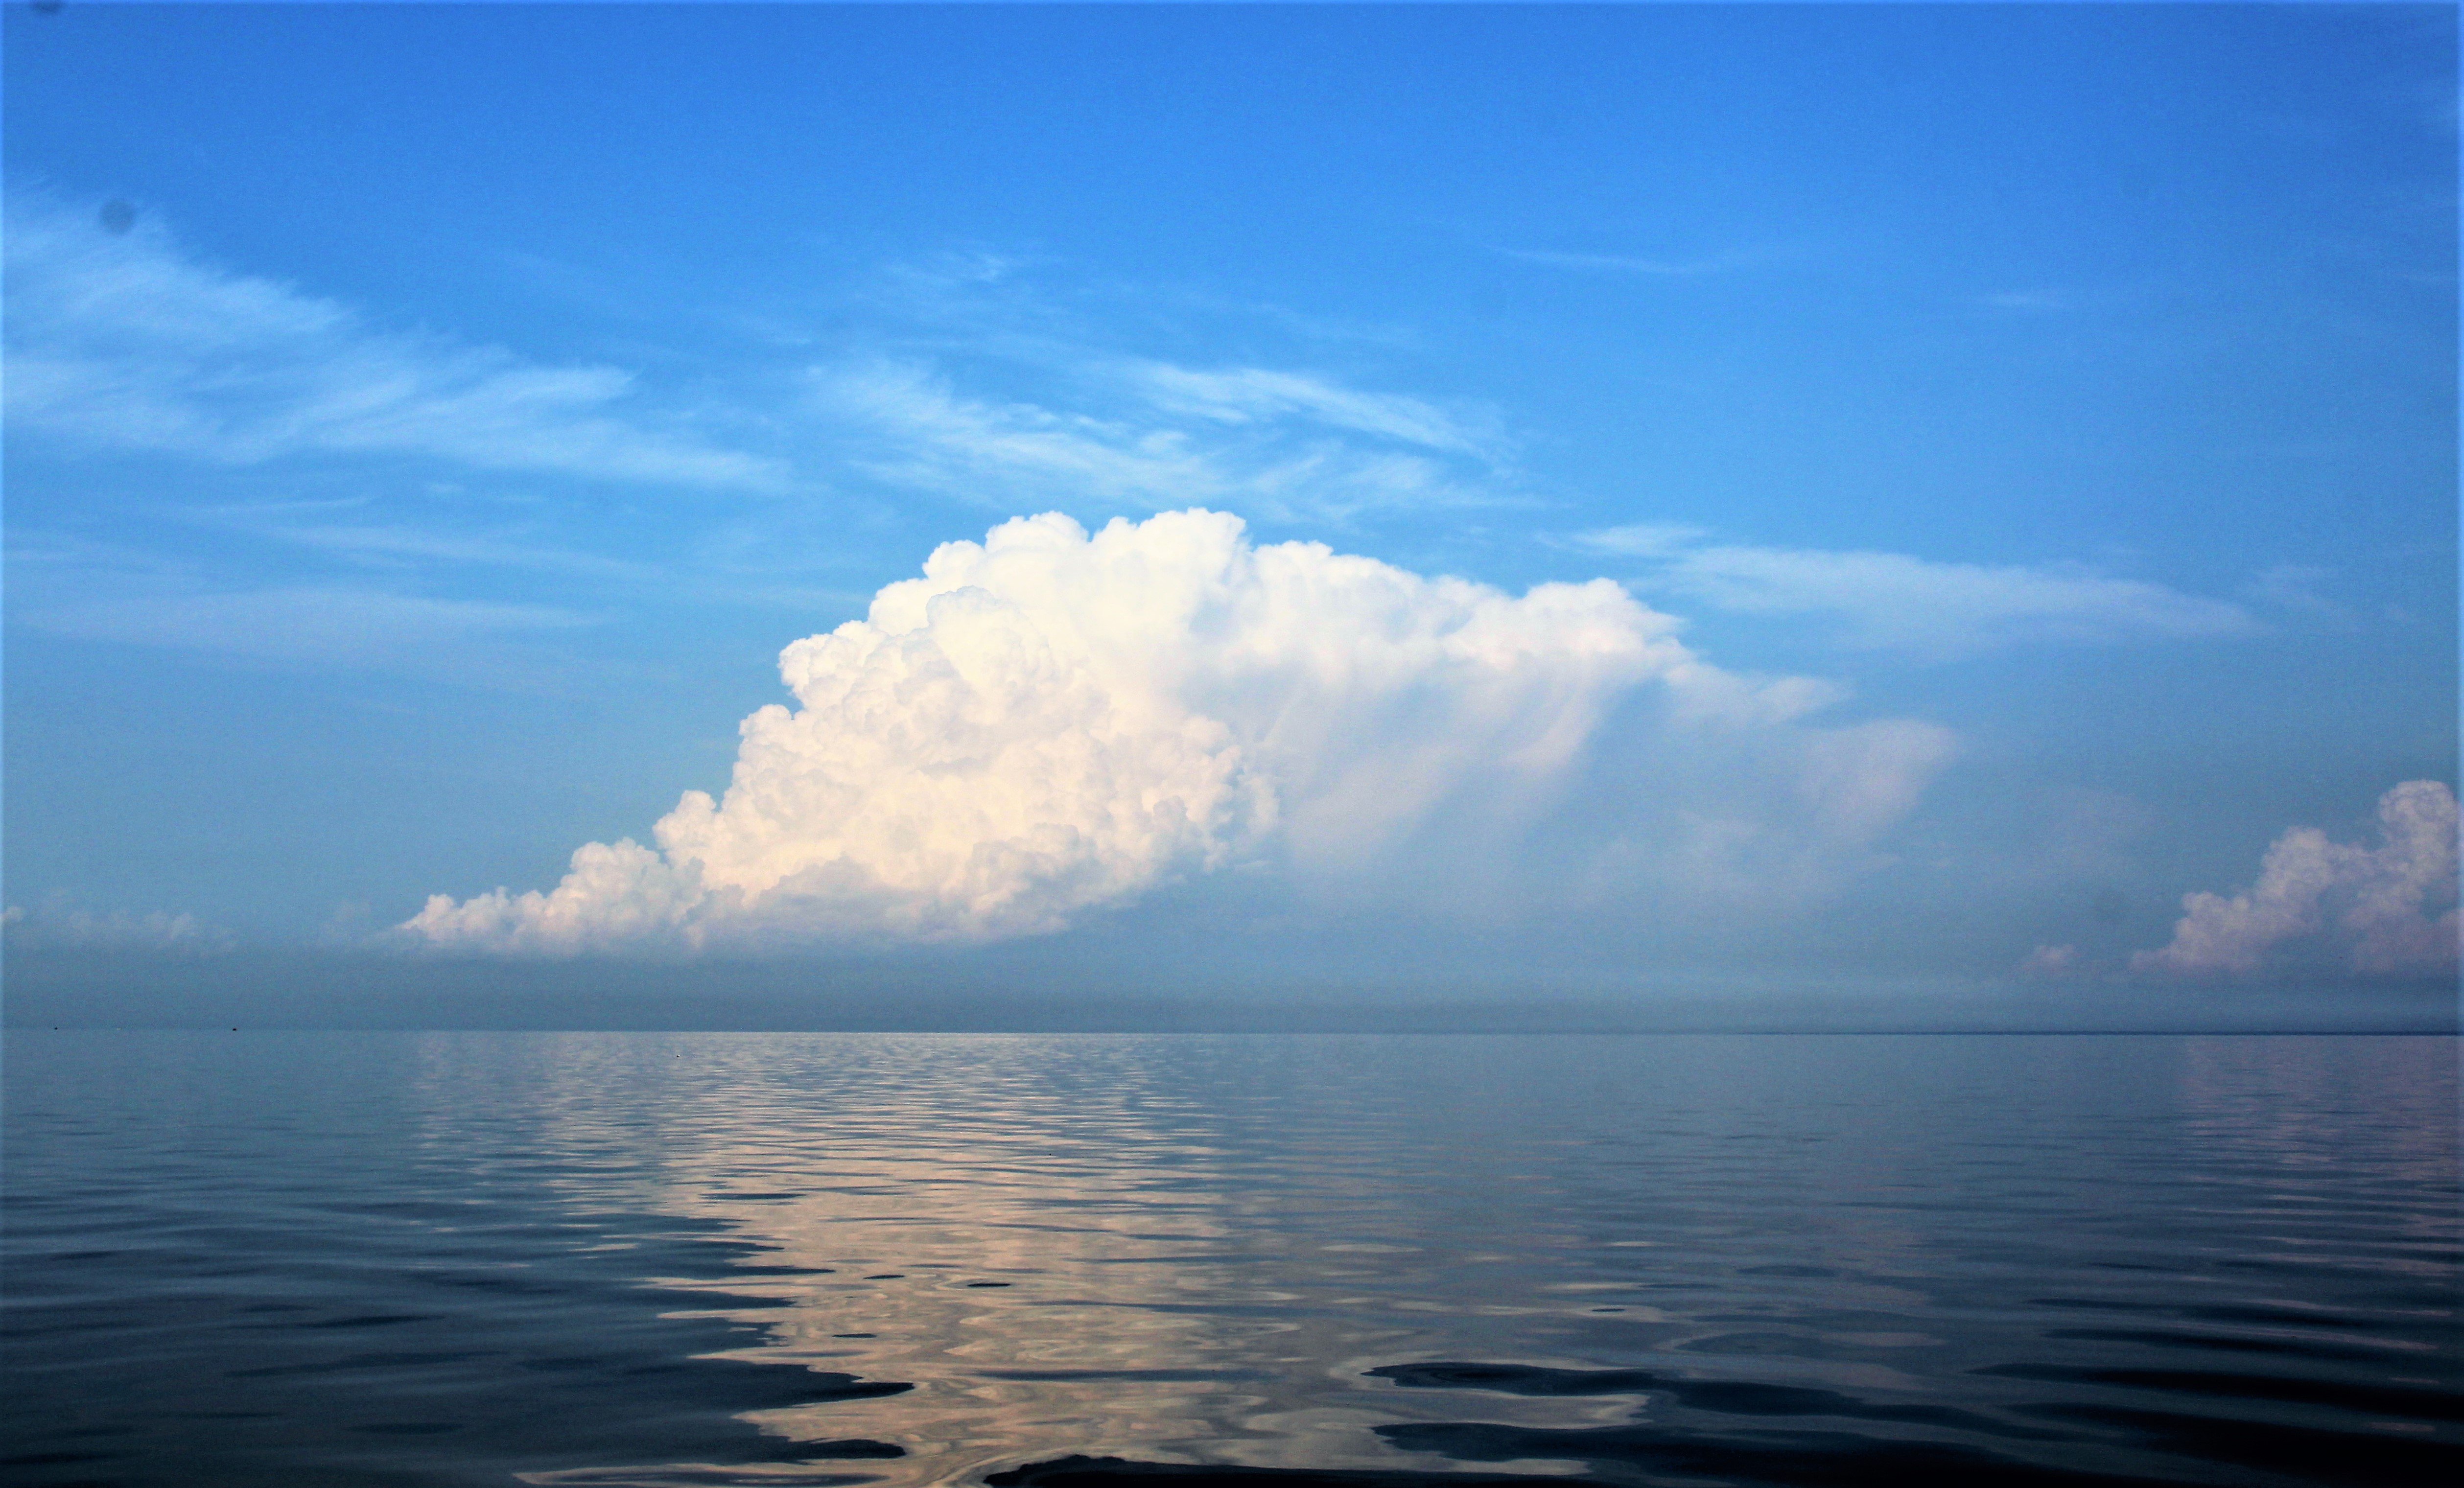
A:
(2021, 442)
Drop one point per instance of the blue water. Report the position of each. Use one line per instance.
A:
(312, 1258)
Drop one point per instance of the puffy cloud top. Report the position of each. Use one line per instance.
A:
(2382, 906)
(1049, 721)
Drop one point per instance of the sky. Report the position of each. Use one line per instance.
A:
(1829, 515)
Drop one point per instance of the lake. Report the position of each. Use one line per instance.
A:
(313, 1259)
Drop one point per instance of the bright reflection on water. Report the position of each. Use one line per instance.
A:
(718, 1258)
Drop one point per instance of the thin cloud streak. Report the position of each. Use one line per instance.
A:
(1244, 395)
(461, 641)
(931, 436)
(1272, 444)
(397, 544)
(125, 341)
(1894, 601)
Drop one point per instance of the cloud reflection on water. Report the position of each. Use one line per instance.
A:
(1314, 1253)
(1044, 1237)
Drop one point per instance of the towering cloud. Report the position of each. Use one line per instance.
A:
(1049, 721)
(2389, 910)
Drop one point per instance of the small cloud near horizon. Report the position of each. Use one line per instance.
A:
(2385, 911)
(2049, 963)
(57, 923)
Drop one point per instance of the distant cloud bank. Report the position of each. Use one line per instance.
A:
(1049, 722)
(2388, 910)
(57, 924)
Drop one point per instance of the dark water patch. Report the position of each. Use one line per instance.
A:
(847, 1447)
(2321, 1456)
(501, 1285)
(367, 1320)
(1789, 1344)
(1724, 1397)
(1519, 1379)
(565, 1362)
(1784, 1459)
(56, 1459)
(2228, 1343)
(365, 1360)
(2403, 1312)
(217, 1415)
(2377, 1400)
(2281, 1315)
(1084, 1471)
(697, 1301)
(491, 1385)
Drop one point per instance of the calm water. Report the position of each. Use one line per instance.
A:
(367, 1258)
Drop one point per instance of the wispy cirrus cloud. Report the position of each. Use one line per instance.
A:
(401, 544)
(322, 624)
(123, 339)
(64, 586)
(1001, 382)
(1281, 445)
(1642, 539)
(1249, 395)
(1896, 602)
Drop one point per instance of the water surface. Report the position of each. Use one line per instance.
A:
(626, 1258)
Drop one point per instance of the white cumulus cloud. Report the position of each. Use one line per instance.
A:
(1049, 722)
(2389, 910)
